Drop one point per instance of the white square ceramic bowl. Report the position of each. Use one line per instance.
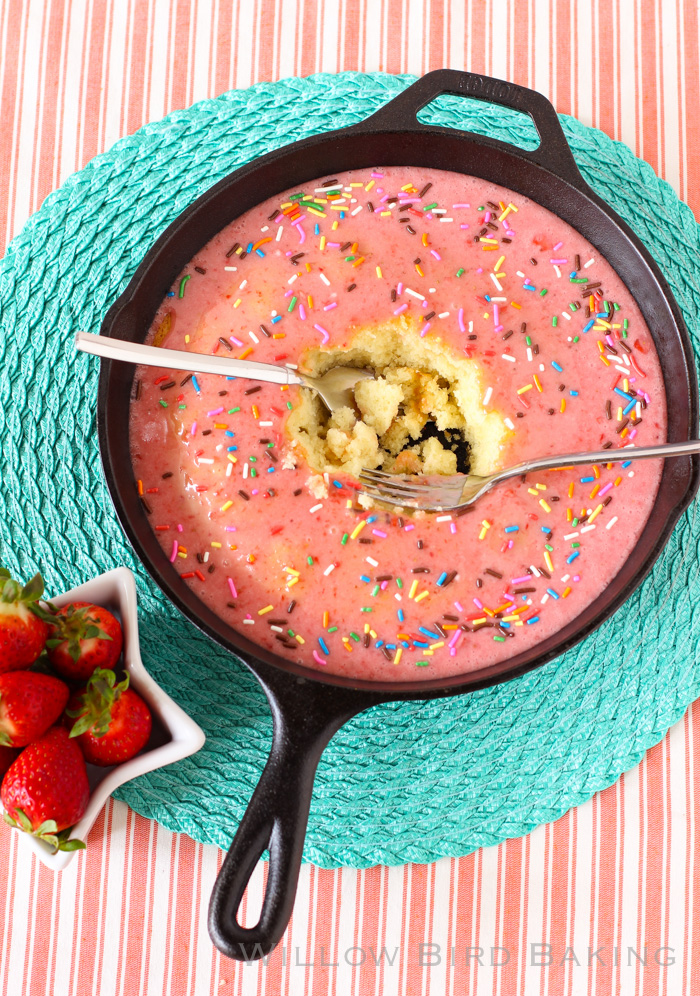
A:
(116, 591)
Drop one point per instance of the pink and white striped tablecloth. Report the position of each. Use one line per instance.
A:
(606, 900)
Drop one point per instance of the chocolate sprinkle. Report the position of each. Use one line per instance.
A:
(244, 495)
(225, 342)
(253, 390)
(494, 574)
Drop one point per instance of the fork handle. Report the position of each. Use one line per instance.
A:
(601, 456)
(177, 359)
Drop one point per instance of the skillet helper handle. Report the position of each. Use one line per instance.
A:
(553, 152)
(276, 820)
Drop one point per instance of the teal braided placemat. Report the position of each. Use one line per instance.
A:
(403, 782)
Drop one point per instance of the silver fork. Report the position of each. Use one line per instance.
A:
(458, 491)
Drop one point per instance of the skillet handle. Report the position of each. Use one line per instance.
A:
(553, 152)
(305, 717)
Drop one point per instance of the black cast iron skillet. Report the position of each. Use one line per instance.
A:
(308, 706)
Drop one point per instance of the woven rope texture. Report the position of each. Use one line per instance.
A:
(402, 782)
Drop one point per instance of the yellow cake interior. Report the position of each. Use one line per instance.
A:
(415, 417)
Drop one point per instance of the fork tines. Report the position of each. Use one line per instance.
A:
(387, 484)
(432, 495)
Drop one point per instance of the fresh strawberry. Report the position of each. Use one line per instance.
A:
(7, 756)
(29, 704)
(46, 791)
(83, 637)
(22, 633)
(112, 722)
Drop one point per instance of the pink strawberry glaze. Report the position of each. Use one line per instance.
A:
(282, 523)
